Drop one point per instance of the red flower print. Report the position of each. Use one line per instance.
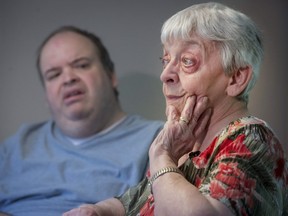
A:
(232, 148)
(148, 208)
(280, 163)
(197, 182)
(243, 212)
(148, 174)
(202, 159)
(230, 182)
(235, 126)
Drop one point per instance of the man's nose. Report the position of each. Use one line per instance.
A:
(70, 77)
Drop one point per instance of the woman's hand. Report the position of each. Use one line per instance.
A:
(109, 207)
(84, 210)
(181, 133)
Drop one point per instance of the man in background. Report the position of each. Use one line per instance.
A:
(90, 150)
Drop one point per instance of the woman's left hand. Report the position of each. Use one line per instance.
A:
(181, 133)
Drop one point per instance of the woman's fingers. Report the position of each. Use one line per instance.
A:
(182, 132)
(199, 121)
(187, 111)
(201, 106)
(203, 122)
(171, 113)
(192, 111)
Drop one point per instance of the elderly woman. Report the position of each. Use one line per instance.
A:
(212, 157)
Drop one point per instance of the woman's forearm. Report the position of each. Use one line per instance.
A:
(111, 207)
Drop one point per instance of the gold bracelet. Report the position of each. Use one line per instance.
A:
(162, 172)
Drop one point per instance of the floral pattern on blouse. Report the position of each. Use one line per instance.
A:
(244, 168)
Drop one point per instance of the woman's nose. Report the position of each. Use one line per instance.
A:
(169, 74)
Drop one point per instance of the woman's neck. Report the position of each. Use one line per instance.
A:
(221, 117)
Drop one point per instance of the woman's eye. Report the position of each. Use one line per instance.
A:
(188, 62)
(164, 61)
(189, 65)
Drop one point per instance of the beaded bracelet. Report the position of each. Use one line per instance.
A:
(162, 172)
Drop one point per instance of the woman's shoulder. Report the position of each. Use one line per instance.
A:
(246, 137)
(249, 127)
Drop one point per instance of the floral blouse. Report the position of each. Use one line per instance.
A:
(244, 168)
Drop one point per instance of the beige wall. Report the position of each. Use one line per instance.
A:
(130, 29)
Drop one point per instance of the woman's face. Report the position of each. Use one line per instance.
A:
(192, 68)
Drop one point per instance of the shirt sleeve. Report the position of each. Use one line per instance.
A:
(247, 173)
(135, 197)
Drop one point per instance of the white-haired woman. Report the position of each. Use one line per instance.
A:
(212, 157)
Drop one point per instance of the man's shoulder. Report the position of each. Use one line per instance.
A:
(36, 127)
(140, 120)
(30, 130)
(135, 126)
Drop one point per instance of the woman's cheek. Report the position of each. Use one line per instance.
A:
(195, 86)
(191, 88)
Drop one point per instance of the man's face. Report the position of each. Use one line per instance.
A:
(77, 86)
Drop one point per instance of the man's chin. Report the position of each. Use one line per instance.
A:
(76, 114)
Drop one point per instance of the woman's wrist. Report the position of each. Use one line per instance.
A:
(162, 172)
(160, 161)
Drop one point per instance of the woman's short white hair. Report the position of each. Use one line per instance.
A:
(236, 35)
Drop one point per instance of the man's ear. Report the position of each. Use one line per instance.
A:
(239, 81)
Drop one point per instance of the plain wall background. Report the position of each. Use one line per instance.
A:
(130, 29)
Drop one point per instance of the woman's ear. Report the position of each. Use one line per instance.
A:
(239, 81)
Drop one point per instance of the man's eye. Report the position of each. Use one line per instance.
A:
(52, 75)
(82, 65)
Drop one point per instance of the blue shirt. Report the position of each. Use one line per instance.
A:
(43, 173)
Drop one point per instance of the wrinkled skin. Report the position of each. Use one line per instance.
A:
(84, 210)
(181, 137)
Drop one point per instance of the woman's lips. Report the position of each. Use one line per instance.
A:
(173, 97)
